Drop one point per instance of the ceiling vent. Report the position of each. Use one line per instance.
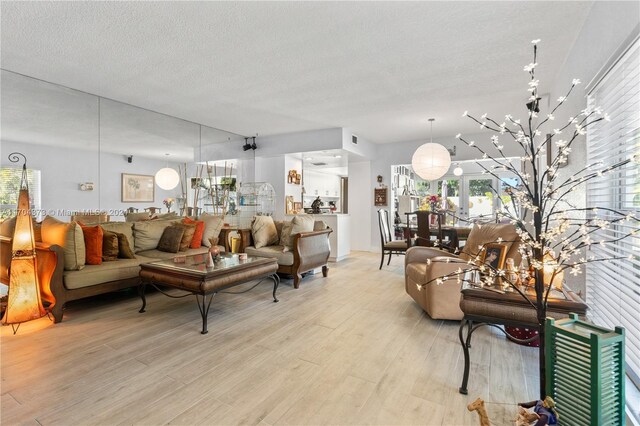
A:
(319, 164)
(354, 139)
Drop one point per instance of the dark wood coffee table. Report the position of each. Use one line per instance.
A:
(496, 308)
(193, 276)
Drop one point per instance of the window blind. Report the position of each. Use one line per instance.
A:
(613, 287)
(10, 178)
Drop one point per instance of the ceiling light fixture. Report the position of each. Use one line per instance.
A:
(431, 161)
(458, 170)
(247, 145)
(167, 178)
(253, 145)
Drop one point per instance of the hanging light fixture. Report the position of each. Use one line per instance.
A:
(24, 303)
(431, 161)
(458, 170)
(167, 178)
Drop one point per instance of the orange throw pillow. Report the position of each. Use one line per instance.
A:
(196, 242)
(93, 242)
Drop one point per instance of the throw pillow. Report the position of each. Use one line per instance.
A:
(187, 237)
(286, 241)
(212, 226)
(93, 244)
(196, 242)
(302, 223)
(488, 233)
(147, 234)
(171, 238)
(124, 247)
(69, 237)
(125, 228)
(37, 232)
(109, 246)
(264, 231)
(136, 217)
(320, 225)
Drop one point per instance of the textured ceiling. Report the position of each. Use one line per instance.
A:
(379, 68)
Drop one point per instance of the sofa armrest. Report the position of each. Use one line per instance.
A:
(50, 262)
(311, 249)
(422, 254)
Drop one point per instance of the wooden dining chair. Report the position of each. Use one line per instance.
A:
(389, 246)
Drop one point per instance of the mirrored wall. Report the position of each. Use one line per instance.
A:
(91, 154)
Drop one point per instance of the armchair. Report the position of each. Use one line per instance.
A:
(425, 264)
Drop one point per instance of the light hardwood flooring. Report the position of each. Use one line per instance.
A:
(349, 349)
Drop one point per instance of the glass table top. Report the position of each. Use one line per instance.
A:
(197, 263)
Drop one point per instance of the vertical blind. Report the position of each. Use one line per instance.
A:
(613, 288)
(10, 178)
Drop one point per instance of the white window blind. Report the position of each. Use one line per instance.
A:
(10, 178)
(613, 288)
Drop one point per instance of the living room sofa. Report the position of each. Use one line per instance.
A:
(296, 252)
(61, 283)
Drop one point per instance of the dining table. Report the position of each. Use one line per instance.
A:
(429, 224)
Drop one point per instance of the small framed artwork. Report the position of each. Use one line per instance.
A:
(298, 178)
(380, 197)
(494, 255)
(137, 188)
(289, 205)
(297, 208)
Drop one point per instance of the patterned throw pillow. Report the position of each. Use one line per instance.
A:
(187, 237)
(171, 239)
(285, 236)
(124, 247)
(109, 246)
(196, 242)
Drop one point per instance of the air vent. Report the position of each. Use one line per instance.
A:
(319, 164)
(354, 139)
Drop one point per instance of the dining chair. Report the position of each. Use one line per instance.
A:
(389, 246)
(153, 210)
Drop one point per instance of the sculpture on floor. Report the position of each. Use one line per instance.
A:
(478, 405)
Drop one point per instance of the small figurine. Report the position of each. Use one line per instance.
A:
(546, 410)
(478, 405)
(315, 206)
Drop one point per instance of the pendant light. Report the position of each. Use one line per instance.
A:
(431, 161)
(167, 178)
(458, 170)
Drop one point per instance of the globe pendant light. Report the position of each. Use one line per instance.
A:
(167, 178)
(458, 170)
(431, 161)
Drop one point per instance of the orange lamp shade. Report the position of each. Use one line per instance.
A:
(23, 303)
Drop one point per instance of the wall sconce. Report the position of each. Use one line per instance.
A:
(87, 186)
(23, 303)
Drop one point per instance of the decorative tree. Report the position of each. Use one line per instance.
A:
(553, 233)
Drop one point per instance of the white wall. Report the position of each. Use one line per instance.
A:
(272, 170)
(62, 170)
(360, 205)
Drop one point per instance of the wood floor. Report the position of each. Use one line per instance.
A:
(349, 349)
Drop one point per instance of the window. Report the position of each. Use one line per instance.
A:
(10, 186)
(614, 287)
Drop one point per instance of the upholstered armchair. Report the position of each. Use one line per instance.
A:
(425, 264)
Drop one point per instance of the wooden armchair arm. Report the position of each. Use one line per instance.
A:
(311, 249)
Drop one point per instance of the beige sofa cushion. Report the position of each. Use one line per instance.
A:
(263, 231)
(488, 233)
(120, 269)
(161, 255)
(285, 236)
(68, 236)
(136, 217)
(212, 226)
(302, 223)
(147, 234)
(125, 228)
(284, 258)
(320, 225)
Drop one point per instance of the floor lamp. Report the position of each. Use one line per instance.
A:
(23, 303)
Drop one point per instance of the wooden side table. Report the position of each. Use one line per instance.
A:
(482, 307)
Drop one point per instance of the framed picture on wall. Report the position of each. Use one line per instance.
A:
(380, 197)
(289, 204)
(137, 188)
